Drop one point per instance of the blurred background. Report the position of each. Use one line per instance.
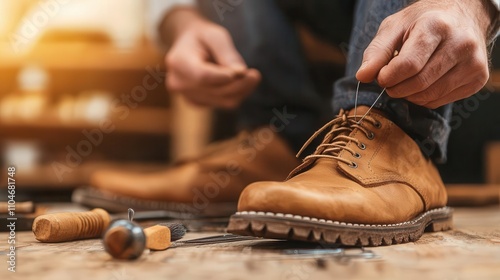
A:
(81, 89)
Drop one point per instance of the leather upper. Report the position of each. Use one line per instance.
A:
(390, 182)
(218, 175)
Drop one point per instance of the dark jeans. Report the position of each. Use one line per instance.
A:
(264, 33)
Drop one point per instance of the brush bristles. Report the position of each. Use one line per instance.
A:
(177, 231)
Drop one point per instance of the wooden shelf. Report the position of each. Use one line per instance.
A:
(143, 121)
(473, 194)
(78, 55)
(44, 176)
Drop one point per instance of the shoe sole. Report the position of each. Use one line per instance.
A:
(294, 227)
(115, 203)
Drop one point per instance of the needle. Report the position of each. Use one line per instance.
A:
(131, 213)
(371, 107)
(376, 100)
(356, 102)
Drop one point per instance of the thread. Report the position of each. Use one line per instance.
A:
(396, 52)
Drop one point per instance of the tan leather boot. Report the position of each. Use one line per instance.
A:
(366, 184)
(208, 185)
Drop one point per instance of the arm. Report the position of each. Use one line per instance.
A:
(442, 51)
(157, 10)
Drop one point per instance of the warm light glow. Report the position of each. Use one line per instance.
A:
(64, 66)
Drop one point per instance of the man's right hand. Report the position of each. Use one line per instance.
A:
(204, 65)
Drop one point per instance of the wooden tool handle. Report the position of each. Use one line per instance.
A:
(60, 227)
(157, 237)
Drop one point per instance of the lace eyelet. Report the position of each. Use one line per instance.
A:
(378, 124)
(353, 165)
(370, 136)
(362, 146)
(356, 155)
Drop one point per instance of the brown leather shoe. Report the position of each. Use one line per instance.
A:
(366, 184)
(206, 186)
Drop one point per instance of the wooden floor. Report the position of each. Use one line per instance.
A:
(471, 251)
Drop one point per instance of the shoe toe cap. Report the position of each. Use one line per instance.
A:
(342, 204)
(279, 197)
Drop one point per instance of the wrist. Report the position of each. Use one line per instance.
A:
(494, 23)
(484, 13)
(481, 14)
(177, 21)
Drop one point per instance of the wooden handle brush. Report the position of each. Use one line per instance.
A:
(126, 240)
(123, 239)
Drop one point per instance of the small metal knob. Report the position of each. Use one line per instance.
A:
(124, 240)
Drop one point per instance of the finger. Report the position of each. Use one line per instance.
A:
(196, 72)
(438, 65)
(453, 80)
(381, 50)
(199, 78)
(413, 57)
(227, 96)
(231, 95)
(224, 52)
(449, 82)
(457, 94)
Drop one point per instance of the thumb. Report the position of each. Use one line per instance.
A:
(380, 52)
(224, 52)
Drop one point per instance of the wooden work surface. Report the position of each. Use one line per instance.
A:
(471, 251)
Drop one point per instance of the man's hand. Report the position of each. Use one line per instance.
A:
(204, 65)
(442, 52)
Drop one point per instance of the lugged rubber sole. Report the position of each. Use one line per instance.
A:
(293, 227)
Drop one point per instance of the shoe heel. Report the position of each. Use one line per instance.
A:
(440, 225)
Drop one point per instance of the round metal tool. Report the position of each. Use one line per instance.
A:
(124, 239)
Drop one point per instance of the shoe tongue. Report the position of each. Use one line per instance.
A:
(361, 111)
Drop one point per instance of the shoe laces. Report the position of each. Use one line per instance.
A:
(339, 136)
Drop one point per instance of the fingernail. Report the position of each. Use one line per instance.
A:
(239, 71)
(239, 75)
(238, 68)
